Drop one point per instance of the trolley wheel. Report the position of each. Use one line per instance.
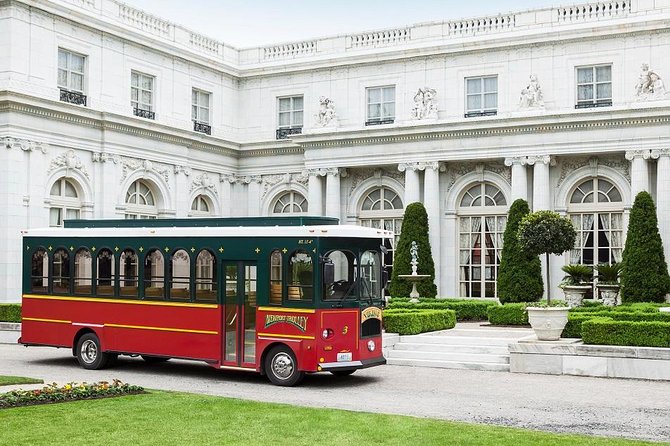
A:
(281, 367)
(89, 354)
(342, 373)
(154, 359)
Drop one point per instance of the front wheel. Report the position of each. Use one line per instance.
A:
(281, 367)
(89, 354)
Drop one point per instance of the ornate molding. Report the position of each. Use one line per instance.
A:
(326, 116)
(460, 169)
(425, 106)
(25, 145)
(103, 157)
(203, 181)
(414, 166)
(70, 161)
(183, 169)
(541, 159)
(516, 160)
(129, 165)
(569, 165)
(531, 94)
(227, 177)
(657, 153)
(637, 153)
(433, 165)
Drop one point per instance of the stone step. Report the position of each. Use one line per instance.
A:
(487, 333)
(455, 348)
(449, 356)
(449, 364)
(456, 340)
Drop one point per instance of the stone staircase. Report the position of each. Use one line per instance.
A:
(473, 346)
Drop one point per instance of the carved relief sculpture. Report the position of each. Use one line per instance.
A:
(425, 106)
(69, 160)
(531, 95)
(649, 86)
(326, 117)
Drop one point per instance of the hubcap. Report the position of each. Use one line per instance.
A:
(282, 365)
(89, 351)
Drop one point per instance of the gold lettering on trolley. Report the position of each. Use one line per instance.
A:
(299, 322)
(371, 313)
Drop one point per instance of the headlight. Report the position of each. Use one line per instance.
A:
(327, 333)
(371, 346)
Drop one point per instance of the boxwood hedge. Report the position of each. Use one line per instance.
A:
(573, 329)
(466, 310)
(508, 314)
(415, 321)
(10, 313)
(606, 331)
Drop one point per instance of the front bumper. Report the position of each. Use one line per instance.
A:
(352, 365)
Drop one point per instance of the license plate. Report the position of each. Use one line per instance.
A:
(344, 357)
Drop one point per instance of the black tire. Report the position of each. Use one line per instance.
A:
(341, 373)
(154, 359)
(281, 367)
(89, 354)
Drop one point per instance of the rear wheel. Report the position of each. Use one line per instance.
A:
(89, 353)
(342, 372)
(281, 367)
(154, 359)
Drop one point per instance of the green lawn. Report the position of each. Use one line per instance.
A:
(179, 419)
(11, 380)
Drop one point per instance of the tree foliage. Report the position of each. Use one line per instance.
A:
(546, 232)
(520, 273)
(414, 228)
(644, 272)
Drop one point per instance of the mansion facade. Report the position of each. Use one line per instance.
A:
(107, 111)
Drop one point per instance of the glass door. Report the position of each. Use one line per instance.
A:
(239, 346)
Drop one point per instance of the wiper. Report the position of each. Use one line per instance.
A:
(345, 295)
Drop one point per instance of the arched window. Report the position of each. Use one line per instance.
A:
(205, 276)
(370, 270)
(201, 206)
(140, 201)
(596, 211)
(65, 202)
(482, 216)
(290, 203)
(105, 273)
(382, 208)
(180, 275)
(276, 278)
(83, 266)
(300, 276)
(344, 266)
(128, 273)
(154, 273)
(60, 267)
(39, 272)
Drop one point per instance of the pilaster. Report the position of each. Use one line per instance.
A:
(639, 171)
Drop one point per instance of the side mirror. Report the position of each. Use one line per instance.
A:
(328, 273)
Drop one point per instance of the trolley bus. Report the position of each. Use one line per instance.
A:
(282, 296)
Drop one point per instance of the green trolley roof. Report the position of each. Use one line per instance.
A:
(202, 222)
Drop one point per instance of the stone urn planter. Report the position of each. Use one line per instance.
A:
(548, 322)
(609, 294)
(574, 294)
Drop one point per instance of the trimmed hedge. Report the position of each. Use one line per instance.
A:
(10, 313)
(640, 307)
(573, 329)
(606, 331)
(466, 310)
(415, 321)
(508, 314)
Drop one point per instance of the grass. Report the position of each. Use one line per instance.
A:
(167, 418)
(11, 380)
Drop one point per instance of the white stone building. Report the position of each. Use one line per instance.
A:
(107, 111)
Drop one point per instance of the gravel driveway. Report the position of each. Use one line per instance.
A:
(598, 406)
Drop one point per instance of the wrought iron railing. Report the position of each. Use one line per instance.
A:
(379, 121)
(592, 104)
(202, 127)
(73, 97)
(284, 133)
(144, 113)
(474, 114)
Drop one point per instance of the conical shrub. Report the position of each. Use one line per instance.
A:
(644, 272)
(520, 273)
(414, 228)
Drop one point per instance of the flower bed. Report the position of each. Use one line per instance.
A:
(415, 321)
(52, 393)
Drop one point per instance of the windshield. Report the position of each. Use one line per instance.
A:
(370, 270)
(344, 280)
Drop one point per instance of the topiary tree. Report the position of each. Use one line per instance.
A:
(546, 232)
(414, 228)
(644, 272)
(520, 273)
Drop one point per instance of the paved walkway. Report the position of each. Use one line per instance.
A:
(624, 408)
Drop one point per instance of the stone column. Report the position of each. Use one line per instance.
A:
(519, 177)
(541, 186)
(181, 191)
(431, 197)
(639, 172)
(333, 208)
(253, 195)
(226, 195)
(412, 186)
(663, 196)
(315, 191)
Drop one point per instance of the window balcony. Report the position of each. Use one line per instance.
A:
(593, 104)
(73, 97)
(284, 133)
(148, 114)
(201, 127)
(379, 121)
(474, 114)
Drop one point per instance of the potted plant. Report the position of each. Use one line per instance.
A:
(546, 232)
(608, 283)
(576, 283)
